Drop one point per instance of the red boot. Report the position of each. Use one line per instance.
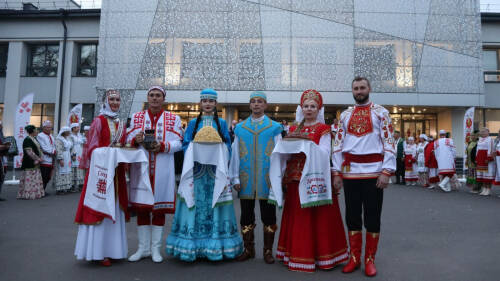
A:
(370, 251)
(106, 262)
(355, 242)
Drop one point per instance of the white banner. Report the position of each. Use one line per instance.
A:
(75, 115)
(468, 129)
(23, 114)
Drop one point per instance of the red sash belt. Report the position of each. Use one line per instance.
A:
(498, 153)
(364, 158)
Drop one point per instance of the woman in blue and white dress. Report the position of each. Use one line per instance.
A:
(204, 230)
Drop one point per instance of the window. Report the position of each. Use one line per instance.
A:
(42, 112)
(87, 113)
(43, 60)
(490, 65)
(87, 60)
(4, 50)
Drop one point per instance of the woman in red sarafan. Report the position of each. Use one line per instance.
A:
(312, 236)
(99, 238)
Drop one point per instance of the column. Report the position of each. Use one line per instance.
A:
(13, 77)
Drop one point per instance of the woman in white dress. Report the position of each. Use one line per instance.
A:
(423, 177)
(99, 238)
(76, 156)
(63, 176)
(410, 152)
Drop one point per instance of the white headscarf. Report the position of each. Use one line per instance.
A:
(106, 109)
(74, 125)
(423, 136)
(299, 115)
(66, 142)
(46, 123)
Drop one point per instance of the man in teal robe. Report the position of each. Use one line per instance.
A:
(253, 144)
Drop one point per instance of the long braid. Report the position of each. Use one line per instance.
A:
(216, 119)
(198, 119)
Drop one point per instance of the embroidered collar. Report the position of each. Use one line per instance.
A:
(363, 105)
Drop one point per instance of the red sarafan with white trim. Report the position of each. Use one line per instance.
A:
(485, 162)
(314, 236)
(431, 163)
(411, 169)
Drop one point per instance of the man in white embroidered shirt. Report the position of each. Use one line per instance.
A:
(159, 134)
(364, 158)
(48, 146)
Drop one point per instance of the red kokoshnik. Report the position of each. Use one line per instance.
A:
(312, 94)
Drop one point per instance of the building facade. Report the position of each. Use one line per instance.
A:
(424, 58)
(32, 44)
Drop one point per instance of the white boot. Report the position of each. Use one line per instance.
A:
(482, 191)
(448, 186)
(144, 249)
(156, 242)
(486, 191)
(443, 184)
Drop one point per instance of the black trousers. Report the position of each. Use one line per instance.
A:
(267, 212)
(400, 170)
(363, 202)
(46, 172)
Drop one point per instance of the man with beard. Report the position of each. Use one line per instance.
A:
(364, 158)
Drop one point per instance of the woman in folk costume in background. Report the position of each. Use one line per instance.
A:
(431, 163)
(314, 235)
(485, 161)
(99, 238)
(203, 231)
(411, 172)
(63, 175)
(423, 177)
(30, 183)
(76, 156)
(470, 163)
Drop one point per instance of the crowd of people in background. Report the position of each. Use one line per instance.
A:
(426, 162)
(430, 162)
(46, 158)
